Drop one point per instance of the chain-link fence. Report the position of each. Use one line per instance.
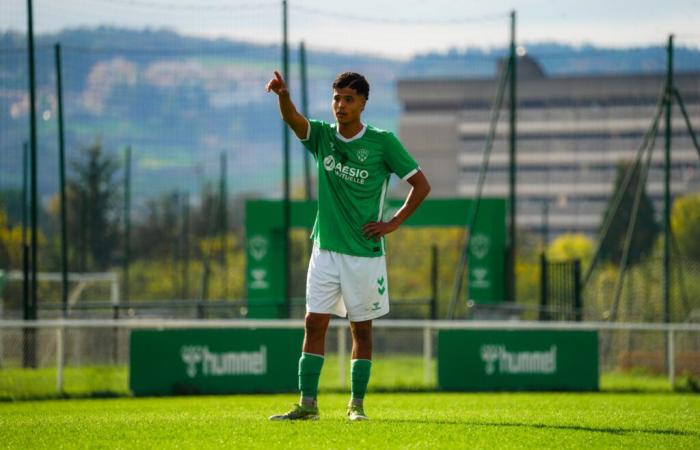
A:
(163, 146)
(168, 134)
(640, 297)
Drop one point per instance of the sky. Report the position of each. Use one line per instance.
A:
(398, 29)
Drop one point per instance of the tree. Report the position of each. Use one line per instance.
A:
(157, 232)
(92, 199)
(646, 228)
(11, 203)
(10, 244)
(571, 246)
(685, 224)
(204, 215)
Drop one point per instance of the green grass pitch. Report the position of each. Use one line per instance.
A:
(389, 374)
(418, 420)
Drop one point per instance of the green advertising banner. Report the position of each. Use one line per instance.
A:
(265, 274)
(486, 280)
(207, 361)
(492, 360)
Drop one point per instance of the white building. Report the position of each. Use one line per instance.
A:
(572, 132)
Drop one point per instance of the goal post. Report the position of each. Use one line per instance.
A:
(78, 281)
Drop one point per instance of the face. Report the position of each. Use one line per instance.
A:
(347, 105)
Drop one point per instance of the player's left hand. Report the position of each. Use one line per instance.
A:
(375, 230)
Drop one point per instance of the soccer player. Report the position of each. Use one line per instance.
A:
(347, 270)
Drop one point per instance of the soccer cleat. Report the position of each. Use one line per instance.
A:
(298, 412)
(356, 412)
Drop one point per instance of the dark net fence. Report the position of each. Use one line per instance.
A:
(168, 135)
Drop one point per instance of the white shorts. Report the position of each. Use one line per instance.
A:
(341, 284)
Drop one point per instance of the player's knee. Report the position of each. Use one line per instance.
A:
(362, 335)
(315, 326)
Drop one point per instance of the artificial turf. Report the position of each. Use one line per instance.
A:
(397, 420)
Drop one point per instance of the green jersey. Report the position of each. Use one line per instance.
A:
(353, 175)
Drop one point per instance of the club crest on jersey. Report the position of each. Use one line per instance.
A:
(329, 162)
(362, 154)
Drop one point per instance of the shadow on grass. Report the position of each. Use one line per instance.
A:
(64, 396)
(610, 430)
(329, 390)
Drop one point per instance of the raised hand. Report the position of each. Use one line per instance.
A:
(276, 84)
(290, 115)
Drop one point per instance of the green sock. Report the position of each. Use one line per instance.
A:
(309, 371)
(359, 377)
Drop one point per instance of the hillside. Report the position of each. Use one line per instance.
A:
(181, 101)
(178, 101)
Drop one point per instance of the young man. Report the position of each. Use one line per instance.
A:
(347, 270)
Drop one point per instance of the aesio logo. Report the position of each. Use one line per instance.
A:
(330, 165)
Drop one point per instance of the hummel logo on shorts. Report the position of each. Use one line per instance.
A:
(380, 286)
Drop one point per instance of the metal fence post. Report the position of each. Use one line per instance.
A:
(434, 283)
(671, 358)
(115, 295)
(543, 286)
(2, 349)
(59, 359)
(204, 290)
(427, 353)
(578, 304)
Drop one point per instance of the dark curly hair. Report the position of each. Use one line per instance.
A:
(352, 80)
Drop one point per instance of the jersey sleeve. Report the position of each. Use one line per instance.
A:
(398, 159)
(313, 135)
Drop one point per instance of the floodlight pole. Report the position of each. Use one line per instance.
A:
(62, 181)
(223, 220)
(185, 242)
(305, 112)
(33, 194)
(30, 343)
(127, 223)
(25, 246)
(286, 204)
(667, 183)
(545, 224)
(512, 195)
